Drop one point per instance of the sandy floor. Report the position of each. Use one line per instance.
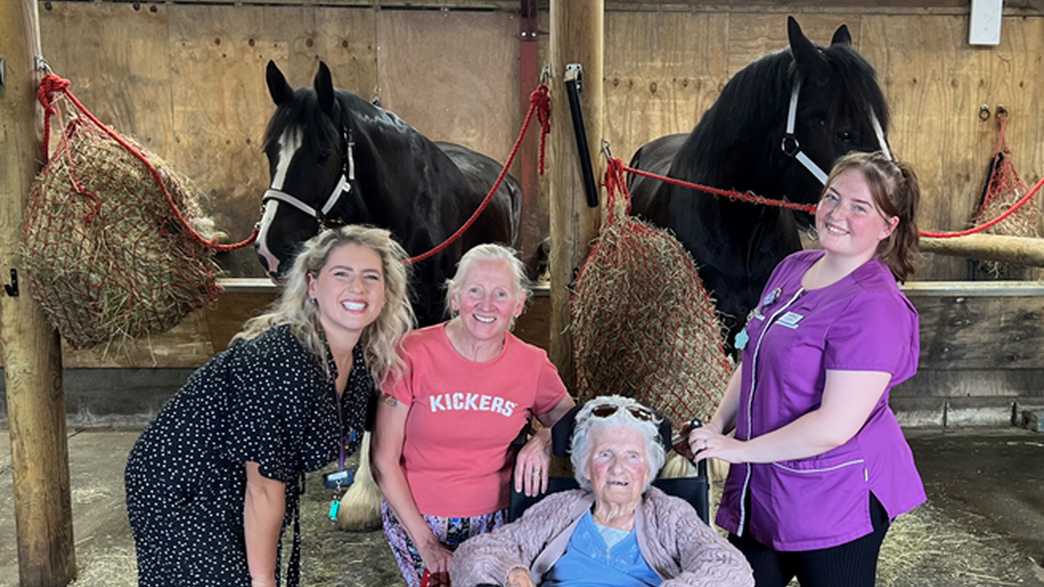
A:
(983, 526)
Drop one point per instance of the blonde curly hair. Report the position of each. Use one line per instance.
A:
(380, 339)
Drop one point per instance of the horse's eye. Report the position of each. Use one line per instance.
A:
(324, 155)
(821, 122)
(844, 136)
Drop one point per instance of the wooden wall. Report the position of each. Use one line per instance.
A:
(187, 80)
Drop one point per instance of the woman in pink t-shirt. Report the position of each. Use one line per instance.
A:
(441, 449)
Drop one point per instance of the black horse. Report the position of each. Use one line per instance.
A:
(744, 142)
(335, 159)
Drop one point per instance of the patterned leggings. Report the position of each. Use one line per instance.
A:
(451, 532)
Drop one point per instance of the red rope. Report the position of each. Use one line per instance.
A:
(539, 103)
(989, 223)
(763, 201)
(52, 84)
(750, 198)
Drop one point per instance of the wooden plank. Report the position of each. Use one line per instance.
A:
(346, 39)
(941, 382)
(753, 35)
(227, 316)
(662, 73)
(1017, 7)
(466, 97)
(981, 333)
(221, 105)
(130, 89)
(186, 345)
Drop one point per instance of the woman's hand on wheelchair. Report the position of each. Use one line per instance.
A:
(532, 464)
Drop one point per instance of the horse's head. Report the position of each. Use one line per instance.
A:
(838, 106)
(311, 167)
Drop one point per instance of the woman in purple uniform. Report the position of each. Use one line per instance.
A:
(820, 466)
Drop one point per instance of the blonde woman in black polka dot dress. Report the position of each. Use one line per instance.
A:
(214, 479)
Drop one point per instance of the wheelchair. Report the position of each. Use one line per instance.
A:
(694, 490)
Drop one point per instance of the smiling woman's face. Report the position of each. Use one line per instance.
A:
(618, 465)
(488, 300)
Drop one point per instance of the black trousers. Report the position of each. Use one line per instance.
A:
(852, 564)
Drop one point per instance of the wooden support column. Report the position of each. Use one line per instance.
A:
(32, 355)
(577, 36)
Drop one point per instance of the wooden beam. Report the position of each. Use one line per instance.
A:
(32, 355)
(577, 36)
(1017, 250)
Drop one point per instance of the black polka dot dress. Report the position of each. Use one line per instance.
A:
(265, 400)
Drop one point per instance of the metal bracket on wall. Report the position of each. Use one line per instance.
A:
(12, 288)
(574, 81)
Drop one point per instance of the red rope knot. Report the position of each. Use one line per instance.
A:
(616, 186)
(49, 85)
(540, 98)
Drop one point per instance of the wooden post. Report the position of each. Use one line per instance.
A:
(32, 355)
(577, 36)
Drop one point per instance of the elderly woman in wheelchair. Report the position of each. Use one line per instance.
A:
(615, 530)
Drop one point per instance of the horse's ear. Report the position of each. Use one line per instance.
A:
(841, 36)
(280, 91)
(806, 55)
(324, 89)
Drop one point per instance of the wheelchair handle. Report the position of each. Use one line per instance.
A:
(681, 441)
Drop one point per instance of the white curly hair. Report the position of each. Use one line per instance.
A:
(586, 424)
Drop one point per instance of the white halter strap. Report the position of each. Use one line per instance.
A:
(344, 186)
(792, 147)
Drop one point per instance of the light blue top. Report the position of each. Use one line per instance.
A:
(591, 561)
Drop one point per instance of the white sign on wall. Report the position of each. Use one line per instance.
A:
(984, 26)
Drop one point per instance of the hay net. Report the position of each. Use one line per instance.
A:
(104, 255)
(1004, 187)
(642, 323)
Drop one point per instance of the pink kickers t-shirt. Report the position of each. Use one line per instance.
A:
(463, 416)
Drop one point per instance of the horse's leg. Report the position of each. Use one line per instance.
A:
(361, 505)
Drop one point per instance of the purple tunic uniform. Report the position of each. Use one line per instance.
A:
(860, 323)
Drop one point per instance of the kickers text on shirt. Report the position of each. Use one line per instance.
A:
(460, 401)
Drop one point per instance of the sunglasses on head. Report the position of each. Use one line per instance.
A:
(640, 413)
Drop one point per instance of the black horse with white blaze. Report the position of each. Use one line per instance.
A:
(776, 130)
(336, 159)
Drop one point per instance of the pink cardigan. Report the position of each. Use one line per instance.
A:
(675, 542)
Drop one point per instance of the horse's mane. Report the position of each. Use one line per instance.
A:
(755, 102)
(304, 113)
(859, 81)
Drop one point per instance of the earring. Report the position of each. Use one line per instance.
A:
(313, 301)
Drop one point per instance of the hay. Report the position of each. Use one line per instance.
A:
(954, 550)
(102, 251)
(1004, 187)
(644, 326)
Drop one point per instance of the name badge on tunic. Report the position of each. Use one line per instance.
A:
(771, 297)
(790, 320)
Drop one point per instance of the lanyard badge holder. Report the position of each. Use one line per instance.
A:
(339, 480)
(742, 338)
